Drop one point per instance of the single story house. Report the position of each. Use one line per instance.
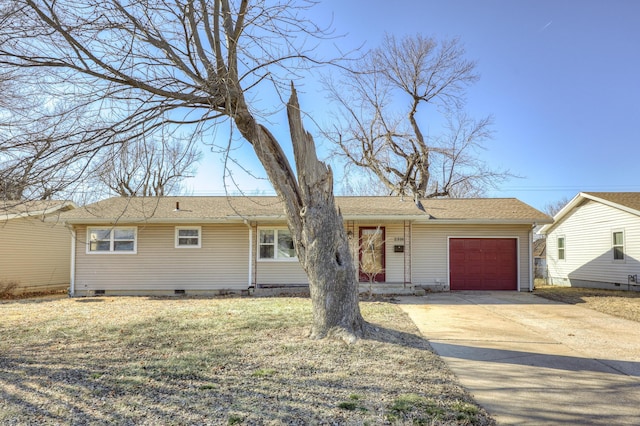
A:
(594, 241)
(178, 245)
(35, 248)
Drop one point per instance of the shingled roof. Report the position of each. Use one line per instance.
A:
(181, 209)
(626, 199)
(15, 209)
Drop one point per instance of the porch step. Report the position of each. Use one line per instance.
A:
(387, 288)
(303, 290)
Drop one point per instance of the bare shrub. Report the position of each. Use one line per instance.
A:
(7, 287)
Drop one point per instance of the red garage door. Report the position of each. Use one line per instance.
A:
(483, 264)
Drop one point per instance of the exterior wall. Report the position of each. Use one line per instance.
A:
(275, 272)
(36, 254)
(394, 235)
(588, 237)
(430, 251)
(287, 272)
(220, 264)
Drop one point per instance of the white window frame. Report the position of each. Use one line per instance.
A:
(614, 245)
(564, 247)
(112, 231)
(188, 228)
(275, 257)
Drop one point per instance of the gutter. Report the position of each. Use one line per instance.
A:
(249, 278)
(531, 277)
(72, 278)
(421, 219)
(143, 221)
(45, 212)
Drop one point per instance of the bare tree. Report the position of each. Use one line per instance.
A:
(33, 129)
(146, 168)
(553, 207)
(353, 185)
(193, 63)
(383, 127)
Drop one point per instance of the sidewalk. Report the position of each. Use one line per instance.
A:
(531, 361)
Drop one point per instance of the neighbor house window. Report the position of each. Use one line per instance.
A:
(561, 248)
(275, 244)
(618, 245)
(112, 240)
(188, 237)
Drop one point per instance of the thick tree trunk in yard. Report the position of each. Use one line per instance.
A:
(323, 248)
(332, 277)
(316, 224)
(201, 54)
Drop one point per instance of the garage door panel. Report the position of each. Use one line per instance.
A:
(483, 263)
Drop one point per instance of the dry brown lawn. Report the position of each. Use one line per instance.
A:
(201, 361)
(624, 304)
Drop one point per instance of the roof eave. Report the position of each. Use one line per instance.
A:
(44, 212)
(577, 200)
(611, 203)
(487, 221)
(143, 221)
(422, 219)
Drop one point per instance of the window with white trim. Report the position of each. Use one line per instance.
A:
(561, 248)
(118, 239)
(275, 244)
(188, 237)
(618, 245)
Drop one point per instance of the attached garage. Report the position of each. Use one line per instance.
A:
(483, 263)
(435, 244)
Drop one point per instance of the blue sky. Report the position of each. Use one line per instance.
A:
(561, 78)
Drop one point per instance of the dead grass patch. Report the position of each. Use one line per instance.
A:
(216, 361)
(623, 304)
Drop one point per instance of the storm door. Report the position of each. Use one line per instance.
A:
(371, 255)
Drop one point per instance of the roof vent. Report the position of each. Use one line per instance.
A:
(177, 206)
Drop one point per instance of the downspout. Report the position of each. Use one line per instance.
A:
(72, 277)
(531, 278)
(249, 283)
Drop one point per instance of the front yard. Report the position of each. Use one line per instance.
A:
(247, 361)
(620, 303)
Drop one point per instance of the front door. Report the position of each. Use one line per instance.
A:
(371, 255)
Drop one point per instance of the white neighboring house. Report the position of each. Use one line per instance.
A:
(594, 241)
(35, 247)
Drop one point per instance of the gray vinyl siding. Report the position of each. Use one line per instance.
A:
(36, 254)
(270, 272)
(220, 264)
(276, 272)
(280, 273)
(588, 233)
(430, 251)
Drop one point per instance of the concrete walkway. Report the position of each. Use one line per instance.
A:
(529, 360)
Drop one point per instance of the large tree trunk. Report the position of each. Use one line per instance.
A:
(323, 247)
(316, 224)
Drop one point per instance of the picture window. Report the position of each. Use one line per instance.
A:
(275, 244)
(112, 240)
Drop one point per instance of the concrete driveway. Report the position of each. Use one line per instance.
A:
(528, 360)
